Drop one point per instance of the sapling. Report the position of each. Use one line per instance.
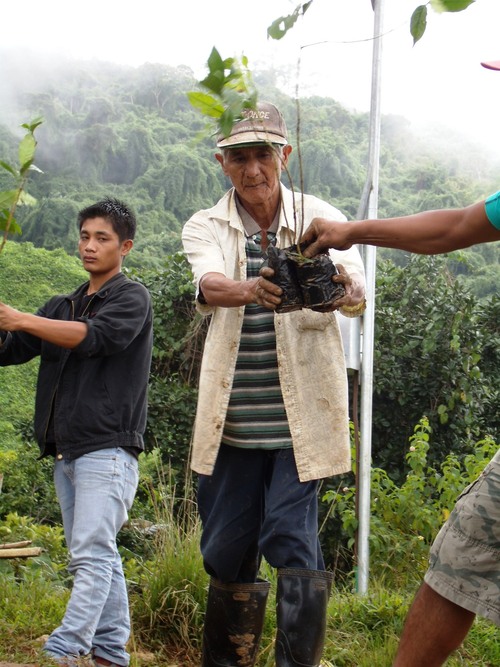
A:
(10, 199)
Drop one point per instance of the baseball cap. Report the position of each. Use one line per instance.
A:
(264, 124)
(492, 64)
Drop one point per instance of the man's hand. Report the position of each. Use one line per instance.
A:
(323, 234)
(10, 318)
(67, 334)
(354, 289)
(267, 294)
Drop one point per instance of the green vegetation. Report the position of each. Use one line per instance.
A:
(168, 584)
(419, 468)
(132, 133)
(110, 130)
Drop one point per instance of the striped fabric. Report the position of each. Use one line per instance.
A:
(256, 417)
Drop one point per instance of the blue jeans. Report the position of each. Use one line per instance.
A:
(95, 493)
(254, 505)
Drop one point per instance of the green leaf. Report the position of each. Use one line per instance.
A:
(214, 82)
(279, 27)
(32, 125)
(8, 198)
(13, 227)
(233, 89)
(207, 104)
(283, 24)
(27, 149)
(441, 6)
(8, 168)
(418, 23)
(215, 62)
(226, 122)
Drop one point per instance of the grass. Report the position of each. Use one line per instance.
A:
(168, 587)
(167, 618)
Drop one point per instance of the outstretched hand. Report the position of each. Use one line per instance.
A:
(9, 318)
(323, 234)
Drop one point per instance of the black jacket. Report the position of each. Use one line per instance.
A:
(98, 390)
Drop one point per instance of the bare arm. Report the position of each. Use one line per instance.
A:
(61, 333)
(429, 232)
(227, 293)
(224, 292)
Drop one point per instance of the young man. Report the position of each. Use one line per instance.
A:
(272, 414)
(90, 414)
(463, 578)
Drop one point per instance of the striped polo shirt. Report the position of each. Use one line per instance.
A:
(256, 417)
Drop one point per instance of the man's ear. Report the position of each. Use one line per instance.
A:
(220, 159)
(127, 247)
(286, 150)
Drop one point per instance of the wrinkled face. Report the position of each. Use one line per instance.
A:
(254, 171)
(100, 248)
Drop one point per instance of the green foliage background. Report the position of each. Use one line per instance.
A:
(131, 133)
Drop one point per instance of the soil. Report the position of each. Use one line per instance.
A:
(305, 283)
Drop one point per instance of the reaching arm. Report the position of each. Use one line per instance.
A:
(429, 232)
(218, 290)
(62, 333)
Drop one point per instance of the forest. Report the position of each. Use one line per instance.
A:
(131, 133)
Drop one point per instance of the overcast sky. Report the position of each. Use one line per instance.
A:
(439, 80)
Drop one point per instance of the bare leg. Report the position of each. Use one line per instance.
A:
(433, 629)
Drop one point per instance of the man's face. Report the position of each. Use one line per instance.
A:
(254, 171)
(100, 248)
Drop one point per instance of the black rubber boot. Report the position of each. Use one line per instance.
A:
(233, 623)
(301, 602)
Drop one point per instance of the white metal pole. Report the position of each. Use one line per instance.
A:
(370, 257)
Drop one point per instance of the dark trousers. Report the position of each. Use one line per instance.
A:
(254, 505)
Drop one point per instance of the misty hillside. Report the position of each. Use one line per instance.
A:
(130, 132)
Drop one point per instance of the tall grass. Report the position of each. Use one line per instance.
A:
(168, 586)
(168, 601)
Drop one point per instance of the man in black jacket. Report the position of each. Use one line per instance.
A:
(95, 353)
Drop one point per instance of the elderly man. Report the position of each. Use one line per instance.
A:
(272, 415)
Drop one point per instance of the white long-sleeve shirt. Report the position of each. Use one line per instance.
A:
(311, 362)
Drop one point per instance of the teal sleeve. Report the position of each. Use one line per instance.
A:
(492, 206)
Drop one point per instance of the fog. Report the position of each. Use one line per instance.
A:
(439, 81)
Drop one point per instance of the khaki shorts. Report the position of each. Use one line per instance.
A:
(464, 563)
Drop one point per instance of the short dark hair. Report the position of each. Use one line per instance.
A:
(116, 212)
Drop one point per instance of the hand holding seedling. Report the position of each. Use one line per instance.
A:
(354, 296)
(267, 294)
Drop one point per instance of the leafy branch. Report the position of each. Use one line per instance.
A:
(280, 26)
(10, 199)
(418, 21)
(231, 89)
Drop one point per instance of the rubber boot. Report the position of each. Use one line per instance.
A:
(233, 623)
(301, 603)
